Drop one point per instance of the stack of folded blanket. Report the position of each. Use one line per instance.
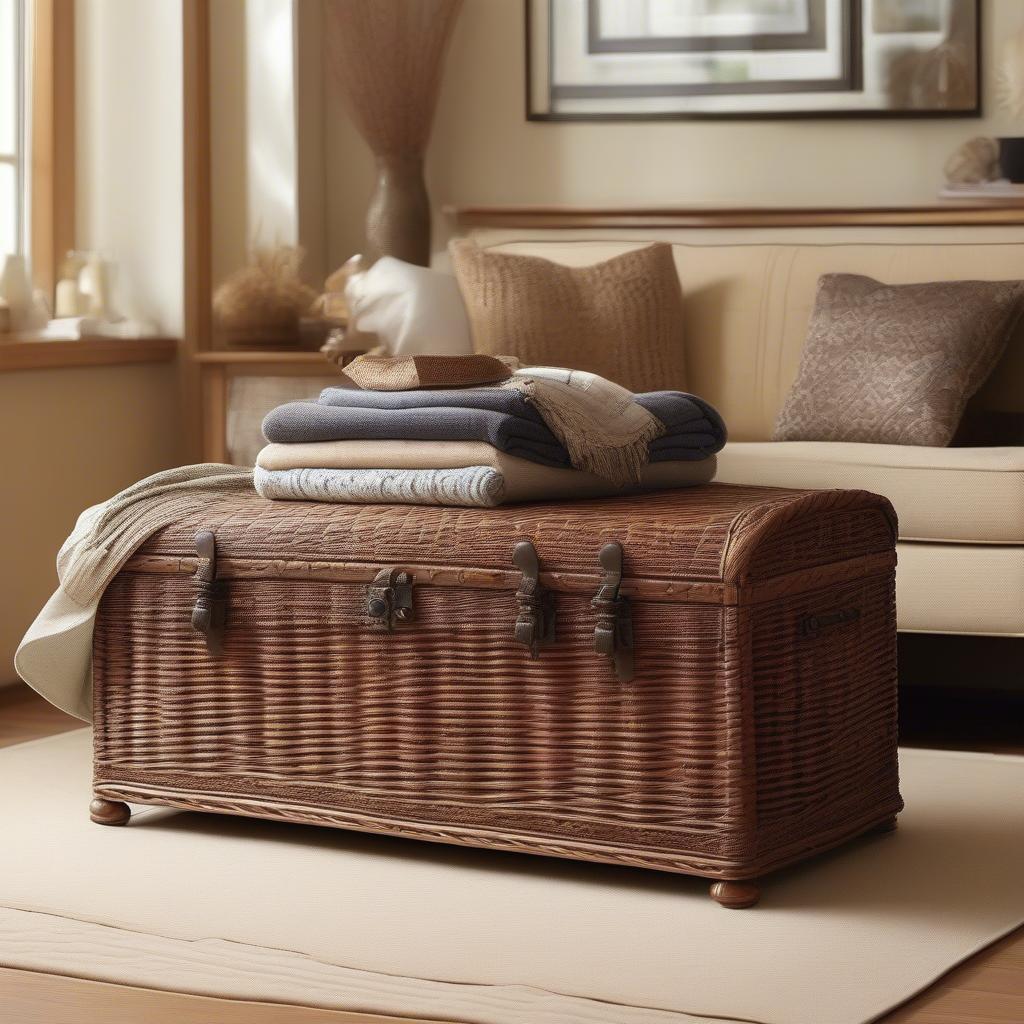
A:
(530, 437)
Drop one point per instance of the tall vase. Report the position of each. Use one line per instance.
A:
(398, 217)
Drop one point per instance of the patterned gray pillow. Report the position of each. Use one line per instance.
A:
(896, 364)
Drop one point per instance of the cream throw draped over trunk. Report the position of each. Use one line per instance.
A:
(55, 655)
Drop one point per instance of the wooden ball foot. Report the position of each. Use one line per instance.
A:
(109, 812)
(735, 895)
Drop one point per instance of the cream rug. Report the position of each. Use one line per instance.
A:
(289, 913)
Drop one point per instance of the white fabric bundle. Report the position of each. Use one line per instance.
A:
(413, 310)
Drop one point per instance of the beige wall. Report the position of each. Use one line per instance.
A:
(74, 437)
(484, 151)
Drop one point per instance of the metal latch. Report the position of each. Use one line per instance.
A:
(812, 625)
(389, 598)
(210, 610)
(535, 621)
(613, 634)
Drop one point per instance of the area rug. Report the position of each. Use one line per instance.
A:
(295, 914)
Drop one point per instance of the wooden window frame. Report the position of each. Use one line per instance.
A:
(49, 170)
(14, 157)
(51, 167)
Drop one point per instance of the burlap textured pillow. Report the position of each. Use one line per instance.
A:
(622, 319)
(896, 364)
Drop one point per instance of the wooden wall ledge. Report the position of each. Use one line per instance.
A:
(28, 354)
(949, 214)
(259, 357)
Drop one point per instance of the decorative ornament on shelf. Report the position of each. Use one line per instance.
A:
(332, 305)
(263, 304)
(976, 161)
(69, 300)
(345, 340)
(16, 292)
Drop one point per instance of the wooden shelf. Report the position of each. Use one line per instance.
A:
(939, 214)
(26, 353)
(231, 357)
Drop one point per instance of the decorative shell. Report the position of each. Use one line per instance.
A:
(977, 160)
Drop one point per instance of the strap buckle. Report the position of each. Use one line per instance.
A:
(613, 632)
(209, 614)
(535, 621)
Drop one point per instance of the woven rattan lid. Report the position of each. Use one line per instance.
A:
(718, 532)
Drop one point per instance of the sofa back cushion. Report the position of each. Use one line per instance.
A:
(896, 364)
(747, 306)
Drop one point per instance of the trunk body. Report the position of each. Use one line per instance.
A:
(758, 728)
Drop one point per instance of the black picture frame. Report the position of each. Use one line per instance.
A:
(852, 82)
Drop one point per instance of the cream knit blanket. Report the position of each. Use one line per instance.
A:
(55, 655)
(468, 486)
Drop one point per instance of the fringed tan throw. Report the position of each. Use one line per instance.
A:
(605, 432)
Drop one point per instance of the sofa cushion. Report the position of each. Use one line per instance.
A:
(621, 318)
(896, 364)
(959, 495)
(749, 297)
(961, 589)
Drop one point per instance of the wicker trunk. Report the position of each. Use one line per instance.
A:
(701, 681)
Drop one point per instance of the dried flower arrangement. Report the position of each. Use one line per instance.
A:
(262, 305)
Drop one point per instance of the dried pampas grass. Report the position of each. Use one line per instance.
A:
(1010, 77)
(264, 302)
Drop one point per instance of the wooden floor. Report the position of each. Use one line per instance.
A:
(989, 989)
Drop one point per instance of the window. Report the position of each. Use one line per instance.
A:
(12, 126)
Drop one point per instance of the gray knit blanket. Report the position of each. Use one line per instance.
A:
(500, 417)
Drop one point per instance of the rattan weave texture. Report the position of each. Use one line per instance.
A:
(745, 741)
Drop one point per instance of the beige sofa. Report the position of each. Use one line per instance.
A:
(749, 295)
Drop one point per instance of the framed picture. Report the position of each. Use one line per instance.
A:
(652, 59)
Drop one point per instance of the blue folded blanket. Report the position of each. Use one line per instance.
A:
(518, 435)
(506, 400)
(693, 428)
(502, 417)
